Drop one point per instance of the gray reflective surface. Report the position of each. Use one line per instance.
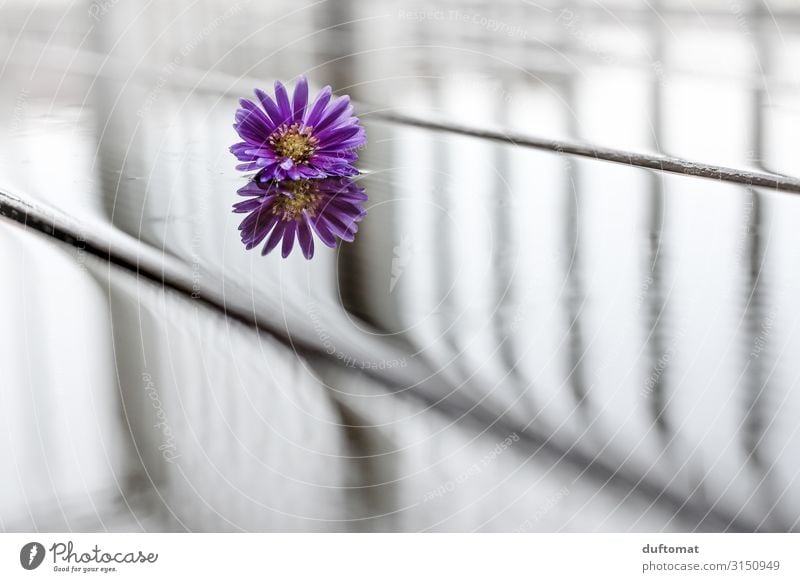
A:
(191, 421)
(635, 329)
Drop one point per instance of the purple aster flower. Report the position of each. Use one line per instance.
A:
(293, 209)
(294, 139)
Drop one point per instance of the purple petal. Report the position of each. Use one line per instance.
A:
(288, 238)
(262, 227)
(300, 99)
(336, 136)
(257, 113)
(282, 97)
(333, 112)
(336, 227)
(346, 222)
(270, 107)
(270, 173)
(293, 173)
(335, 156)
(348, 209)
(248, 224)
(260, 152)
(247, 166)
(304, 237)
(251, 115)
(269, 163)
(240, 149)
(338, 132)
(253, 135)
(274, 238)
(341, 170)
(354, 142)
(319, 106)
(247, 206)
(353, 195)
(309, 172)
(323, 232)
(250, 189)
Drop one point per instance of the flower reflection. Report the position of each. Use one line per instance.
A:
(292, 209)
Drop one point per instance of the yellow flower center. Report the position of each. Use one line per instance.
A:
(305, 198)
(292, 141)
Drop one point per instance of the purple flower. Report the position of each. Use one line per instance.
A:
(293, 209)
(296, 140)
